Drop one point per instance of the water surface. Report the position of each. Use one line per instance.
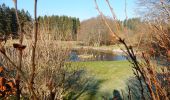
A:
(93, 55)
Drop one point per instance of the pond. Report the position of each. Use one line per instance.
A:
(94, 55)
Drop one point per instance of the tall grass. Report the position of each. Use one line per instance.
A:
(40, 68)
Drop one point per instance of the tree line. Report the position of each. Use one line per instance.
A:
(94, 32)
(8, 21)
(60, 27)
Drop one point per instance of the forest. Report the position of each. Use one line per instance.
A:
(64, 26)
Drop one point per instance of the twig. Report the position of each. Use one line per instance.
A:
(106, 23)
(34, 50)
(20, 53)
(114, 16)
(129, 94)
(125, 29)
(165, 8)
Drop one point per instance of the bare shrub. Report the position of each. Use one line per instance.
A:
(145, 70)
(42, 68)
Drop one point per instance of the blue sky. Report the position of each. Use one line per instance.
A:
(82, 9)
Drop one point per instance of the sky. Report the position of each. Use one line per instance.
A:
(82, 9)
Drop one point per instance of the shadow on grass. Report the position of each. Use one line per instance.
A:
(82, 86)
(131, 92)
(135, 90)
(116, 96)
(135, 87)
(92, 89)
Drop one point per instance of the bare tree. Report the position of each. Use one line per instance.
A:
(155, 10)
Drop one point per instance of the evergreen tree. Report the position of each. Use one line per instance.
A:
(8, 21)
(62, 27)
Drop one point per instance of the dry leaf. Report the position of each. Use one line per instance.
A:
(19, 46)
(2, 49)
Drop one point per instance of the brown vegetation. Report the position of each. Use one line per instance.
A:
(7, 86)
(39, 69)
(94, 32)
(151, 87)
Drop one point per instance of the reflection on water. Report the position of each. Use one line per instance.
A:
(91, 55)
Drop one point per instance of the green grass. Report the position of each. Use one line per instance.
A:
(110, 75)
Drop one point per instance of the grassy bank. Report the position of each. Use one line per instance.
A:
(107, 75)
